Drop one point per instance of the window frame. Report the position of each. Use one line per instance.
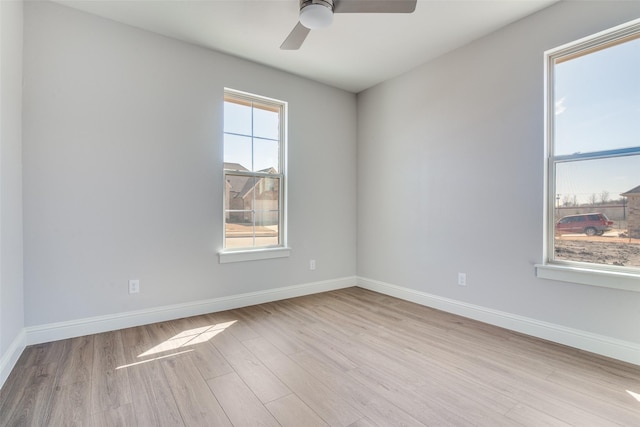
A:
(626, 278)
(280, 250)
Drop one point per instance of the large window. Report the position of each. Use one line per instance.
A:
(593, 133)
(254, 144)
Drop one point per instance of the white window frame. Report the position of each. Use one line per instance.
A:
(572, 271)
(281, 250)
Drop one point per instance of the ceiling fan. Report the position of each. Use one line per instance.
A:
(315, 14)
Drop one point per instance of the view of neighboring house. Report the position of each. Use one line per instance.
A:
(245, 195)
(633, 206)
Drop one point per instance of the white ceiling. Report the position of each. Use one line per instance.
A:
(356, 52)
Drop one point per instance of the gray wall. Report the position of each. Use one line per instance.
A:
(11, 296)
(452, 139)
(122, 170)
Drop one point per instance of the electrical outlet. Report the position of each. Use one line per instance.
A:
(134, 286)
(312, 264)
(462, 279)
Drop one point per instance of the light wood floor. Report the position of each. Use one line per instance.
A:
(345, 358)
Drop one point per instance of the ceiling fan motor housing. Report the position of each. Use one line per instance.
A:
(315, 14)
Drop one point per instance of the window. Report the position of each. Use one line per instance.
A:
(254, 147)
(593, 154)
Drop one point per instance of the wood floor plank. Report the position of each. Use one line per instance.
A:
(151, 394)
(195, 401)
(15, 386)
(448, 380)
(421, 407)
(122, 416)
(586, 382)
(526, 415)
(330, 407)
(50, 352)
(78, 362)
(290, 411)
(262, 382)
(163, 339)
(136, 341)
(31, 405)
(236, 326)
(239, 403)
(110, 387)
(364, 422)
(377, 408)
(70, 405)
(308, 334)
(36, 367)
(262, 320)
(209, 360)
(561, 403)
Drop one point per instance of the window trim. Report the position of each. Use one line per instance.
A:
(240, 255)
(573, 271)
(589, 276)
(281, 250)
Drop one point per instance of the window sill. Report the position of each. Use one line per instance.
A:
(252, 255)
(588, 276)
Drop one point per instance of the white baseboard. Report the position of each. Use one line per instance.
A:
(610, 347)
(9, 359)
(93, 325)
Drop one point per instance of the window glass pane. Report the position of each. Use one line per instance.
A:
(266, 194)
(597, 211)
(597, 100)
(237, 192)
(598, 250)
(239, 229)
(237, 118)
(266, 155)
(266, 123)
(267, 228)
(239, 217)
(237, 152)
(595, 182)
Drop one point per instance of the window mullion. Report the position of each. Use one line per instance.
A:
(621, 152)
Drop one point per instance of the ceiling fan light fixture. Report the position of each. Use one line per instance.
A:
(316, 14)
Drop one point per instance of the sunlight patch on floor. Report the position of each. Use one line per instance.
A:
(153, 359)
(188, 338)
(634, 395)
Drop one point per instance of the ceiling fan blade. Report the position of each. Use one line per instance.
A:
(374, 6)
(295, 38)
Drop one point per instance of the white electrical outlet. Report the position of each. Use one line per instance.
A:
(462, 279)
(312, 264)
(134, 286)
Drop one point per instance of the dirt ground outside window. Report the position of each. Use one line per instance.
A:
(612, 248)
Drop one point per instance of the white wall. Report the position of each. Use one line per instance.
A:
(450, 177)
(11, 292)
(122, 170)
